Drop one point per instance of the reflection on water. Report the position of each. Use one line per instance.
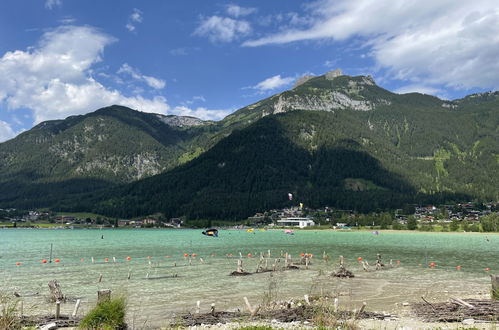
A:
(165, 283)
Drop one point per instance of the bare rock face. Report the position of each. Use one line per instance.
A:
(181, 121)
(333, 74)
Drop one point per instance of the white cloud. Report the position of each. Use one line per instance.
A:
(200, 112)
(155, 83)
(237, 11)
(6, 132)
(54, 80)
(53, 3)
(178, 52)
(222, 29)
(134, 18)
(273, 83)
(448, 42)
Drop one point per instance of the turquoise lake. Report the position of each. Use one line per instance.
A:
(164, 283)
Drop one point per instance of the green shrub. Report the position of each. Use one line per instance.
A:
(106, 315)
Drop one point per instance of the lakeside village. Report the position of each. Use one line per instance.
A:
(474, 217)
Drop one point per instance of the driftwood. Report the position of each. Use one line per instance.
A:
(291, 314)
(379, 264)
(55, 291)
(240, 270)
(458, 310)
(343, 272)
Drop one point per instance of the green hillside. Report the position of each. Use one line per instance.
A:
(334, 140)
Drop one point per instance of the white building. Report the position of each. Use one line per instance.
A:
(295, 222)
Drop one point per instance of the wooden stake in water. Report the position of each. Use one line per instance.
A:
(50, 259)
(57, 309)
(75, 311)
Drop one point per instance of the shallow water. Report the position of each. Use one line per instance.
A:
(154, 295)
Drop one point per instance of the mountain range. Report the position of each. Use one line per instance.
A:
(332, 140)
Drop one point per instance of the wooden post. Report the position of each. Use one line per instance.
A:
(21, 308)
(268, 253)
(361, 310)
(212, 309)
(75, 311)
(103, 296)
(129, 274)
(495, 286)
(306, 299)
(100, 278)
(147, 275)
(306, 262)
(335, 305)
(240, 266)
(114, 259)
(93, 261)
(57, 309)
(198, 306)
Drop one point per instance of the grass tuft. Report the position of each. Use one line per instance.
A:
(106, 315)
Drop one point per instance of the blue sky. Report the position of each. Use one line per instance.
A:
(209, 58)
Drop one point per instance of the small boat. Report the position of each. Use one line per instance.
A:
(250, 230)
(211, 232)
(289, 232)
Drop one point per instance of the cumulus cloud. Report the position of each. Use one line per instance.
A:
(54, 79)
(222, 29)
(134, 19)
(200, 112)
(6, 132)
(237, 11)
(449, 42)
(155, 83)
(53, 3)
(273, 83)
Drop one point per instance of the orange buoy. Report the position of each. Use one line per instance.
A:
(82, 259)
(18, 263)
(230, 254)
(432, 264)
(310, 255)
(194, 255)
(186, 254)
(359, 258)
(106, 259)
(398, 262)
(57, 260)
(128, 258)
(458, 267)
(487, 269)
(249, 255)
(44, 261)
(302, 254)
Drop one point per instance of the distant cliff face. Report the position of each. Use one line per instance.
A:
(181, 121)
(322, 94)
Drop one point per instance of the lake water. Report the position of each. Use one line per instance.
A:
(154, 295)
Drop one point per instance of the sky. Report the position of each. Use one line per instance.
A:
(209, 58)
